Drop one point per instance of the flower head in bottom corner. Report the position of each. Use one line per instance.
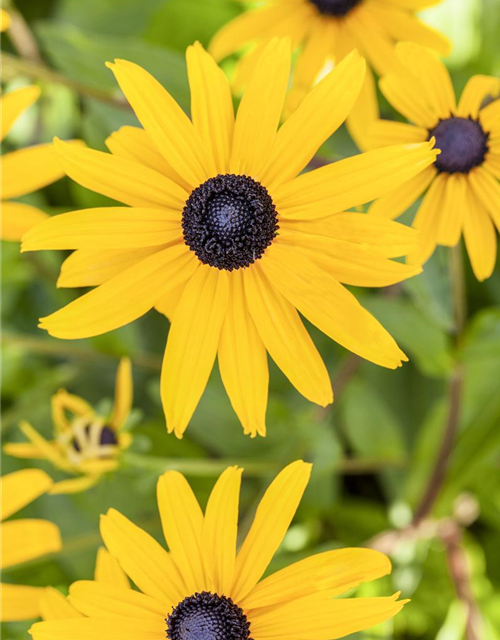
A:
(461, 189)
(23, 540)
(85, 444)
(204, 588)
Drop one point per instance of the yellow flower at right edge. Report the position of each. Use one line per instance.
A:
(225, 237)
(203, 588)
(85, 444)
(23, 540)
(462, 192)
(324, 32)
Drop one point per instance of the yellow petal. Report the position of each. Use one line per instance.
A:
(329, 306)
(4, 20)
(427, 220)
(23, 450)
(19, 602)
(85, 628)
(20, 488)
(272, 519)
(349, 263)
(220, 529)
(480, 238)
(120, 178)
(170, 129)
(211, 107)
(336, 571)
(123, 393)
(476, 90)
(192, 345)
(107, 228)
(14, 103)
(75, 485)
(489, 117)
(286, 338)
(90, 268)
(363, 113)
(168, 303)
(380, 235)
(64, 403)
(109, 571)
(243, 361)
(487, 191)
(398, 201)
(105, 601)
(55, 606)
(17, 219)
(182, 522)
(375, 44)
(260, 109)
(30, 169)
(49, 450)
(404, 94)
(25, 540)
(318, 618)
(148, 565)
(124, 298)
(352, 181)
(383, 133)
(134, 143)
(320, 114)
(453, 210)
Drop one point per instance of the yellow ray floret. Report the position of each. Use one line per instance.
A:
(224, 236)
(205, 580)
(461, 190)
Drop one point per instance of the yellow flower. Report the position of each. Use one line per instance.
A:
(84, 443)
(4, 20)
(203, 588)
(55, 606)
(24, 170)
(463, 193)
(326, 31)
(225, 239)
(24, 540)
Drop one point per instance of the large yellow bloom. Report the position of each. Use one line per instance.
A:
(24, 170)
(85, 444)
(326, 31)
(203, 589)
(463, 192)
(24, 540)
(224, 237)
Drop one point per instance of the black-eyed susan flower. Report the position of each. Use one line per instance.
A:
(23, 540)
(202, 588)
(56, 606)
(324, 32)
(462, 192)
(224, 238)
(25, 170)
(85, 444)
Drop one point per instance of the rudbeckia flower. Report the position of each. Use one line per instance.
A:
(85, 444)
(325, 31)
(24, 170)
(24, 540)
(55, 606)
(203, 589)
(462, 192)
(225, 239)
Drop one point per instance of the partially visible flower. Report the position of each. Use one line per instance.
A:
(325, 31)
(23, 171)
(462, 192)
(4, 20)
(224, 236)
(56, 606)
(23, 540)
(85, 444)
(202, 588)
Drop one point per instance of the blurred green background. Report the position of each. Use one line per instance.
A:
(373, 451)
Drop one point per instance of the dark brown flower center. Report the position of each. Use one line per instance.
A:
(335, 7)
(463, 144)
(229, 221)
(207, 616)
